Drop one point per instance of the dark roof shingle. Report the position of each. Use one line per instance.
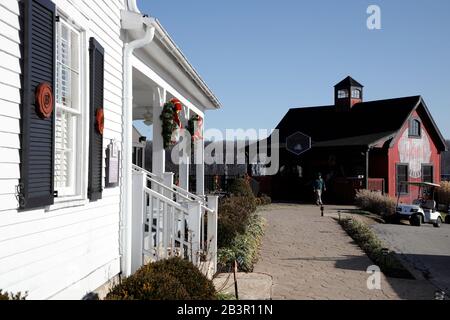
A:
(370, 120)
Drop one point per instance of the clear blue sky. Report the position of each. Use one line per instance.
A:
(263, 57)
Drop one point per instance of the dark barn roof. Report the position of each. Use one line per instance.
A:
(349, 82)
(365, 124)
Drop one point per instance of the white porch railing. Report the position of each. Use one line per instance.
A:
(169, 221)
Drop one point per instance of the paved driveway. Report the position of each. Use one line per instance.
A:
(311, 257)
(425, 249)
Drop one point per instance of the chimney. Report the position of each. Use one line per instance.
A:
(347, 93)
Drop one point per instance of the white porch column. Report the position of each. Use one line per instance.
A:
(158, 156)
(199, 158)
(213, 204)
(184, 161)
(184, 173)
(168, 182)
(137, 221)
(194, 226)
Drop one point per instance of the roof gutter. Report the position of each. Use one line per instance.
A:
(130, 20)
(175, 51)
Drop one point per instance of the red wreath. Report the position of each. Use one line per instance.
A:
(44, 100)
(100, 120)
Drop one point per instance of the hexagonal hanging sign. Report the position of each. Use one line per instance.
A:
(298, 143)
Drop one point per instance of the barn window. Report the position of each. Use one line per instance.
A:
(356, 94)
(68, 110)
(402, 178)
(342, 94)
(415, 128)
(427, 173)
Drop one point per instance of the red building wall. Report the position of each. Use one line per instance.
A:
(414, 152)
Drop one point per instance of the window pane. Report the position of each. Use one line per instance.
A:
(342, 94)
(64, 144)
(402, 176)
(427, 174)
(67, 99)
(414, 128)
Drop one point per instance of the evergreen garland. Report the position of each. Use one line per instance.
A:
(168, 123)
(191, 127)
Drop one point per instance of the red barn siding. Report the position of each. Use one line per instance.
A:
(378, 165)
(394, 156)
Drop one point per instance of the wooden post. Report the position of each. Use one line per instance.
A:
(213, 204)
(158, 153)
(137, 222)
(236, 292)
(194, 226)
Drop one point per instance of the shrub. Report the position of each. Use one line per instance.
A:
(234, 213)
(241, 188)
(244, 247)
(10, 296)
(375, 202)
(443, 193)
(373, 247)
(265, 200)
(172, 279)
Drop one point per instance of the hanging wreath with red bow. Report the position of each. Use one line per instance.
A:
(171, 122)
(195, 128)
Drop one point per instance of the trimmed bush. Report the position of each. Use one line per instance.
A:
(241, 188)
(244, 248)
(172, 279)
(443, 194)
(9, 296)
(234, 213)
(372, 246)
(375, 202)
(264, 200)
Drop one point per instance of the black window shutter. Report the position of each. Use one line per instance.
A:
(96, 64)
(37, 139)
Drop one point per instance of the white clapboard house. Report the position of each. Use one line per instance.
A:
(75, 212)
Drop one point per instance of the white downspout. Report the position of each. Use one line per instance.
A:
(127, 145)
(132, 6)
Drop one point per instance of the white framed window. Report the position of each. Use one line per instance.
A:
(356, 94)
(342, 94)
(68, 110)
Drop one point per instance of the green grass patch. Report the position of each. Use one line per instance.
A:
(225, 296)
(388, 261)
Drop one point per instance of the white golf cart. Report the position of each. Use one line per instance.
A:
(423, 209)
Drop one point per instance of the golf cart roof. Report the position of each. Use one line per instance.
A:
(422, 184)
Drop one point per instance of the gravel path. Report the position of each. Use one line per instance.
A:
(311, 257)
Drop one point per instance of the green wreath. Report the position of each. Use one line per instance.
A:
(168, 123)
(191, 127)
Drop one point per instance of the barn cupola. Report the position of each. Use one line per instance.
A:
(347, 93)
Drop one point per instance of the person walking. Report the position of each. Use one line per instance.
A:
(319, 189)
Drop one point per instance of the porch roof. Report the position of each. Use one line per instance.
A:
(168, 61)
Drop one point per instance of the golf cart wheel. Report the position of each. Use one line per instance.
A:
(447, 219)
(416, 220)
(438, 223)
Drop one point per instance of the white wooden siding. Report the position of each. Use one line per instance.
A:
(68, 252)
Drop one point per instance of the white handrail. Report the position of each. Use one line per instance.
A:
(174, 188)
(137, 168)
(165, 199)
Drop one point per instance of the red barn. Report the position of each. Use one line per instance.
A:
(355, 144)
